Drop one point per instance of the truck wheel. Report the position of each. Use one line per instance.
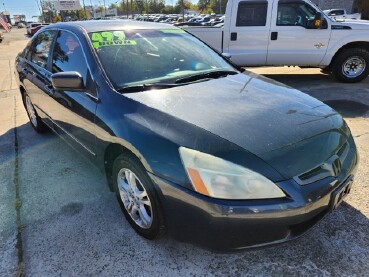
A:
(351, 65)
(137, 197)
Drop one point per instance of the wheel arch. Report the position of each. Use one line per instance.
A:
(113, 150)
(357, 44)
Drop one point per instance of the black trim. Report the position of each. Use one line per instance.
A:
(341, 27)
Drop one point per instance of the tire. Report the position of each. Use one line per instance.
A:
(148, 219)
(34, 119)
(351, 65)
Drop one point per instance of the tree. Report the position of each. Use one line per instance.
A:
(113, 6)
(82, 14)
(217, 6)
(362, 6)
(203, 5)
(99, 9)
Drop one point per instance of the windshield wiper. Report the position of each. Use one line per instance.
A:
(144, 87)
(206, 75)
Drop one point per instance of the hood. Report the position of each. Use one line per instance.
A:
(277, 123)
(354, 24)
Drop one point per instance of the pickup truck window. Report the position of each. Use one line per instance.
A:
(40, 48)
(295, 13)
(252, 13)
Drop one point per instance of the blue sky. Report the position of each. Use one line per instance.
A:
(30, 8)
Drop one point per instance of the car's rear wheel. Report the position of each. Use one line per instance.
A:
(137, 197)
(34, 119)
(351, 65)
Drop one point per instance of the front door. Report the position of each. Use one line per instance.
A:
(73, 112)
(293, 41)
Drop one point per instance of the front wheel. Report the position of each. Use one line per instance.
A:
(137, 197)
(351, 65)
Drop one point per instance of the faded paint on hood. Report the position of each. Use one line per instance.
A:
(268, 119)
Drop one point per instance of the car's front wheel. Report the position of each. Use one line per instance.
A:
(351, 65)
(34, 119)
(137, 197)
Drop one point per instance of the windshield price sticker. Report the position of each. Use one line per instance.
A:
(102, 39)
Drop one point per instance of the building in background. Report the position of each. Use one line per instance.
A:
(19, 18)
(335, 4)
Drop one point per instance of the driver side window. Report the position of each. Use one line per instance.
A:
(295, 13)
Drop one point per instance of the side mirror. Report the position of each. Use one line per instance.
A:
(318, 20)
(70, 80)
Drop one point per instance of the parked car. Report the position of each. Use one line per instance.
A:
(21, 25)
(341, 14)
(297, 33)
(32, 28)
(191, 144)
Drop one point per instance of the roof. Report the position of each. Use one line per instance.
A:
(102, 25)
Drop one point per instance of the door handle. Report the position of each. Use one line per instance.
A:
(233, 36)
(274, 36)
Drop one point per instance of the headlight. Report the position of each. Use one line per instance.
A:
(218, 178)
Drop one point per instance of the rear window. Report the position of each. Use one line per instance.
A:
(252, 13)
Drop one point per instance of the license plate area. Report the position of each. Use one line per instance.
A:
(340, 193)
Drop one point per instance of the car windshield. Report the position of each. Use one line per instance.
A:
(140, 57)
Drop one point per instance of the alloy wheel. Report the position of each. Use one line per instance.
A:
(135, 198)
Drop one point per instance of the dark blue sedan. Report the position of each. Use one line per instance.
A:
(191, 144)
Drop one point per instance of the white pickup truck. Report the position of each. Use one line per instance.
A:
(339, 14)
(290, 32)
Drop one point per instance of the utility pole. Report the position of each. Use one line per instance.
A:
(84, 8)
(93, 9)
(40, 9)
(183, 11)
(104, 8)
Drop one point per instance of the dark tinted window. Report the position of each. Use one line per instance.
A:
(68, 55)
(295, 13)
(252, 13)
(40, 48)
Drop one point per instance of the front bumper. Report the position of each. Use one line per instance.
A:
(225, 225)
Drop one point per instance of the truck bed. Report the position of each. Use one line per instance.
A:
(213, 36)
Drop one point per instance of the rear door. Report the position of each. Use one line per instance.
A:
(36, 75)
(293, 41)
(247, 39)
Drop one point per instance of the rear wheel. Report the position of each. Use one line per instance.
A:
(137, 197)
(34, 119)
(351, 65)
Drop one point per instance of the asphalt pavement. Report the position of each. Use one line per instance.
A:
(59, 218)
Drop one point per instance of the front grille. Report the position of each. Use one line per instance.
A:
(330, 168)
